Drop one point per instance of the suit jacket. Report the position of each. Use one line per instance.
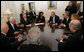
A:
(11, 30)
(34, 47)
(66, 22)
(21, 16)
(73, 43)
(71, 9)
(40, 19)
(32, 16)
(8, 43)
(27, 13)
(57, 20)
(22, 21)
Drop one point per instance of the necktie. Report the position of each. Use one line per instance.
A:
(53, 20)
(13, 27)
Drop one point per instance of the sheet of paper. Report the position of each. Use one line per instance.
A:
(39, 24)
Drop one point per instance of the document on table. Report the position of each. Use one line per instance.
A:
(39, 24)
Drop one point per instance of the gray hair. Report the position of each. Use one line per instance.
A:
(34, 35)
(3, 27)
(53, 12)
(75, 24)
(11, 18)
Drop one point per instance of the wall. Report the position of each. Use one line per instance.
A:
(39, 6)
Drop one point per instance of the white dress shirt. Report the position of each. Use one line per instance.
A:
(3, 33)
(12, 26)
(53, 19)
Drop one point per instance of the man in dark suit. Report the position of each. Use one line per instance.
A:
(73, 42)
(33, 15)
(28, 14)
(8, 43)
(13, 28)
(54, 19)
(71, 8)
(25, 21)
(21, 15)
(66, 20)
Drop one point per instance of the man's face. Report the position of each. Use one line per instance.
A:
(52, 14)
(70, 3)
(13, 21)
(26, 10)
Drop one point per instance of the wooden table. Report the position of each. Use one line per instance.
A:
(47, 37)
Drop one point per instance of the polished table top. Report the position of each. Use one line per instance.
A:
(48, 37)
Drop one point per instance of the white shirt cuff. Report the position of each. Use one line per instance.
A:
(64, 25)
(61, 40)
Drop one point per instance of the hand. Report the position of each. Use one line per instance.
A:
(53, 24)
(17, 25)
(62, 24)
(61, 38)
(24, 33)
(48, 24)
(22, 25)
(28, 25)
(39, 21)
(19, 39)
(16, 32)
(28, 15)
(65, 36)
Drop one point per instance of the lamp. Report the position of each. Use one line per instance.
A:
(7, 12)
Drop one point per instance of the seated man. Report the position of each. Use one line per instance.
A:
(8, 43)
(53, 21)
(13, 28)
(25, 22)
(73, 42)
(33, 15)
(34, 42)
(66, 21)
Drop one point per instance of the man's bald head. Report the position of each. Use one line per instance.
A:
(12, 20)
(4, 28)
(75, 25)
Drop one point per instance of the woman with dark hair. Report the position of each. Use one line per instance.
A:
(41, 18)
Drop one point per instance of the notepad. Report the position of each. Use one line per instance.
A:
(39, 24)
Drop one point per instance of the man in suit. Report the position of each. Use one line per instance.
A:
(73, 42)
(72, 9)
(25, 21)
(53, 21)
(8, 43)
(66, 20)
(28, 15)
(13, 28)
(21, 15)
(33, 15)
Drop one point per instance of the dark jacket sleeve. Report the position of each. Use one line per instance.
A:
(57, 20)
(66, 45)
(43, 19)
(49, 19)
